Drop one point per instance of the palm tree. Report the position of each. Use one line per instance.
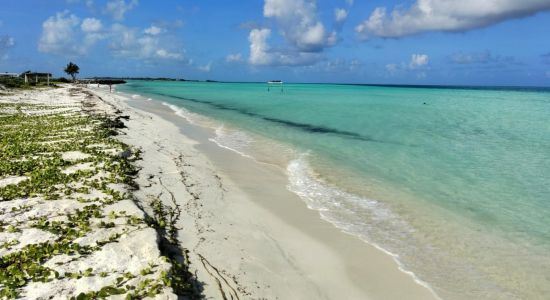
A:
(72, 69)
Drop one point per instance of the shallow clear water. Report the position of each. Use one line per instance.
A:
(454, 182)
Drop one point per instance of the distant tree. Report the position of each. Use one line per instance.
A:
(72, 69)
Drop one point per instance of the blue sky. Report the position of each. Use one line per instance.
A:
(493, 42)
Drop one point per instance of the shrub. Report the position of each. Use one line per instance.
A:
(12, 82)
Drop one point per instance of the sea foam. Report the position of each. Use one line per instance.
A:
(234, 140)
(366, 218)
(181, 112)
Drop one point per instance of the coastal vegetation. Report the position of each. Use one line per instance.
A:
(72, 69)
(57, 153)
(15, 83)
(11, 82)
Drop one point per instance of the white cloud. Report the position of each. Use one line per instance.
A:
(258, 46)
(418, 60)
(61, 34)
(392, 68)
(485, 57)
(234, 58)
(349, 2)
(445, 15)
(64, 34)
(304, 35)
(90, 39)
(154, 30)
(470, 58)
(93, 32)
(88, 3)
(299, 23)
(340, 15)
(339, 65)
(206, 68)
(134, 44)
(118, 8)
(332, 38)
(58, 35)
(91, 25)
(6, 42)
(262, 54)
(163, 53)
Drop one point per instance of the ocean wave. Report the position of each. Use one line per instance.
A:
(368, 219)
(181, 112)
(236, 141)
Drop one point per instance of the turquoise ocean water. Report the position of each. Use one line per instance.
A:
(453, 182)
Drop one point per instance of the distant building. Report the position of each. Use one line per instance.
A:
(6, 74)
(36, 76)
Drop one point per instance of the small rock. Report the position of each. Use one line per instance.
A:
(125, 154)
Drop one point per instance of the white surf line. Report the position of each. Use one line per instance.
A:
(401, 267)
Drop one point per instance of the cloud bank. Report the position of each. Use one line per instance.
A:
(66, 34)
(445, 15)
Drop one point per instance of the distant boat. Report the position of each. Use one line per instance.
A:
(269, 83)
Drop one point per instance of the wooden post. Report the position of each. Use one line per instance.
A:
(48, 76)
(26, 79)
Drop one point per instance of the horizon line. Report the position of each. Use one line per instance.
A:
(404, 85)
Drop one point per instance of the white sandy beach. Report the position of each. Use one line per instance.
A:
(248, 237)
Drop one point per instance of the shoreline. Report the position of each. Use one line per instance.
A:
(279, 168)
(240, 187)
